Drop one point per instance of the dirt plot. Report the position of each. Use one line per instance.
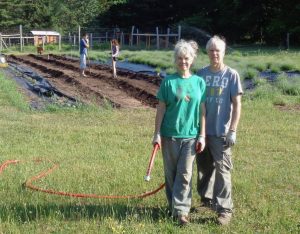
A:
(129, 90)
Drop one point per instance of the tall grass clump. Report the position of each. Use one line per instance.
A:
(287, 67)
(288, 85)
(259, 66)
(275, 68)
(264, 90)
(250, 73)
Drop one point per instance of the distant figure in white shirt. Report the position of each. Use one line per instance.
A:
(115, 49)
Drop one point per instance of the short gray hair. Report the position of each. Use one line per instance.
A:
(216, 40)
(184, 47)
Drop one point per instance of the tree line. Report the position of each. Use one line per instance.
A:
(239, 21)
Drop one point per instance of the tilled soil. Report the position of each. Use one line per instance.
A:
(129, 90)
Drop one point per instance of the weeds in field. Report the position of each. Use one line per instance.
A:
(288, 85)
(250, 74)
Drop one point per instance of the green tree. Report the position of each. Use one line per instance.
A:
(13, 12)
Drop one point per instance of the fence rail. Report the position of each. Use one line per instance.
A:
(154, 39)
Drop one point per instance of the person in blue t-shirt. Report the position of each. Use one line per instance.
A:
(84, 45)
(223, 109)
(180, 128)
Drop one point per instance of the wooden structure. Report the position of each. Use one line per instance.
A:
(45, 37)
(157, 37)
(5, 39)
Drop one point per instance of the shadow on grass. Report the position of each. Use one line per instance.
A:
(28, 212)
(24, 213)
(202, 215)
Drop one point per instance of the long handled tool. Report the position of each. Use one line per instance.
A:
(89, 63)
(151, 162)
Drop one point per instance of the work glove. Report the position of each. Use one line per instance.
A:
(231, 138)
(200, 144)
(156, 139)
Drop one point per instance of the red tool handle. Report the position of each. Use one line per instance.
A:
(151, 162)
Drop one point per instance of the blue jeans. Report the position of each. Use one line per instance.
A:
(178, 157)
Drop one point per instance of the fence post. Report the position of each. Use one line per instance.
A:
(287, 41)
(137, 37)
(131, 36)
(157, 38)
(122, 38)
(79, 38)
(59, 42)
(74, 41)
(1, 42)
(70, 38)
(21, 39)
(167, 39)
(179, 32)
(91, 40)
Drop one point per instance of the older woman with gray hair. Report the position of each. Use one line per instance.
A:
(180, 128)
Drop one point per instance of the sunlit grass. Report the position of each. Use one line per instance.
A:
(106, 151)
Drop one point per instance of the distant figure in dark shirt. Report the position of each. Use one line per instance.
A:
(84, 45)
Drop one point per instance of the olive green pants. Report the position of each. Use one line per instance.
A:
(214, 175)
(178, 157)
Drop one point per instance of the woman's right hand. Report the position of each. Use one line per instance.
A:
(156, 139)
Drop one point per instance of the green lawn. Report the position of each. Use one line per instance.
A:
(106, 152)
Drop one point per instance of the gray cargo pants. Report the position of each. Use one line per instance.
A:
(214, 176)
(178, 157)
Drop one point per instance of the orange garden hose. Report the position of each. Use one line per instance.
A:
(151, 162)
(28, 184)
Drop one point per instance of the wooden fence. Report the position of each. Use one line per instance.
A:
(134, 38)
(157, 37)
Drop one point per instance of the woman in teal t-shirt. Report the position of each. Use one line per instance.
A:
(180, 128)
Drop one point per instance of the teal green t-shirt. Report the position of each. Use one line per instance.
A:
(182, 97)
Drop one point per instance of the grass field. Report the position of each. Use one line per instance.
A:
(106, 151)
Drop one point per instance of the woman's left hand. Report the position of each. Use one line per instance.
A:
(200, 144)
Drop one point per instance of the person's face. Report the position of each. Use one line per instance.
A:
(216, 54)
(184, 62)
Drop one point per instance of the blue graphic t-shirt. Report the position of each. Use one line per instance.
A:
(220, 88)
(182, 97)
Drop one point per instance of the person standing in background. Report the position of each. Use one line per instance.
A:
(223, 109)
(84, 45)
(115, 49)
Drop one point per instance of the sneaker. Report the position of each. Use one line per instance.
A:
(224, 218)
(83, 75)
(183, 220)
(206, 202)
